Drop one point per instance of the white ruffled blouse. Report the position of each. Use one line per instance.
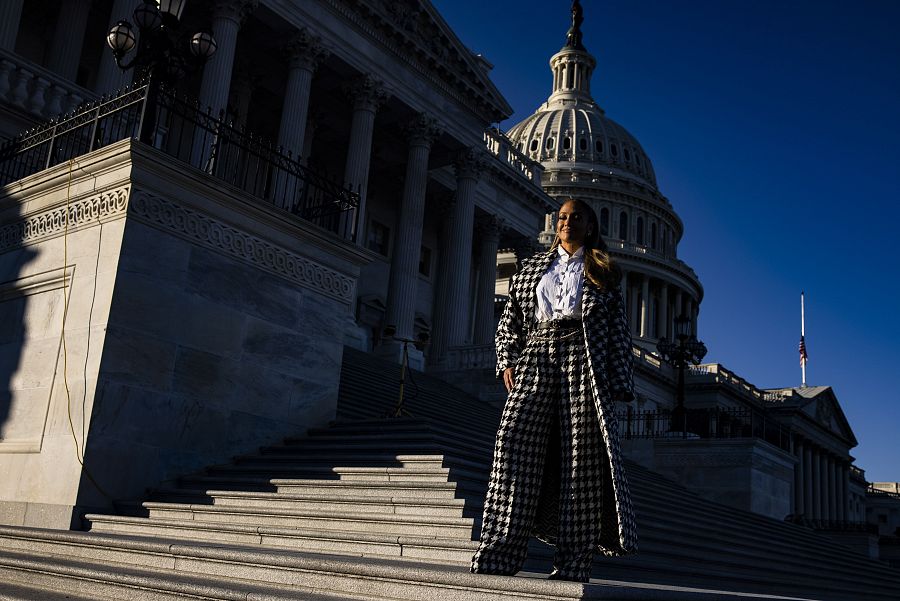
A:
(559, 291)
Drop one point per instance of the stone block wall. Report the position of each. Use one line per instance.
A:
(215, 325)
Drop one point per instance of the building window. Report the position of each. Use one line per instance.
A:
(623, 225)
(549, 143)
(604, 221)
(598, 145)
(533, 146)
(627, 155)
(425, 261)
(653, 235)
(567, 143)
(378, 238)
(640, 230)
(582, 144)
(614, 150)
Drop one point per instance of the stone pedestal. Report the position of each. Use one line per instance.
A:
(182, 350)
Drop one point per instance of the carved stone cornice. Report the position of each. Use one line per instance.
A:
(469, 163)
(221, 237)
(367, 93)
(54, 222)
(422, 130)
(234, 10)
(305, 50)
(414, 33)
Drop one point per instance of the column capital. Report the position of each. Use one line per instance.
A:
(469, 163)
(489, 227)
(422, 130)
(235, 10)
(304, 50)
(367, 93)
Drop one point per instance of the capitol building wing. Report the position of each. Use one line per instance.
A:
(330, 184)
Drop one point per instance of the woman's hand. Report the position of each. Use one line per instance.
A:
(508, 378)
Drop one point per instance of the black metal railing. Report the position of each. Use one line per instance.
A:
(181, 129)
(705, 424)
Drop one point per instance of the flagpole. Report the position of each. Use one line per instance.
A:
(802, 342)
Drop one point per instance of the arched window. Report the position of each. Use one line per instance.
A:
(567, 143)
(604, 221)
(549, 143)
(640, 230)
(627, 155)
(623, 225)
(598, 145)
(653, 235)
(533, 146)
(614, 150)
(582, 144)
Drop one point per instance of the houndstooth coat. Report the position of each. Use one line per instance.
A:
(609, 356)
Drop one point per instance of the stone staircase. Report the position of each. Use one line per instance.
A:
(386, 509)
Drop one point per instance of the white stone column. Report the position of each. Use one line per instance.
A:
(10, 16)
(679, 305)
(838, 491)
(799, 483)
(624, 284)
(817, 485)
(304, 53)
(468, 169)
(695, 311)
(829, 487)
(109, 76)
(807, 481)
(368, 95)
(68, 39)
(437, 351)
(226, 23)
(645, 306)
(401, 300)
(489, 238)
(845, 492)
(662, 314)
(633, 315)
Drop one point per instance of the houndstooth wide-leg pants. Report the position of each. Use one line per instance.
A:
(551, 394)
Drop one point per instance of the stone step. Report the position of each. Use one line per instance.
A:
(404, 427)
(99, 580)
(111, 560)
(17, 591)
(326, 471)
(340, 456)
(456, 448)
(369, 544)
(354, 521)
(353, 486)
(398, 504)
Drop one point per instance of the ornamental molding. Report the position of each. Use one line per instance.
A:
(305, 50)
(409, 30)
(53, 222)
(224, 238)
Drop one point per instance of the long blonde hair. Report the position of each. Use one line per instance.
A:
(599, 268)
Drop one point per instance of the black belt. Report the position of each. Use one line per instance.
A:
(558, 324)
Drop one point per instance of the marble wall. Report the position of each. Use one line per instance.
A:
(201, 325)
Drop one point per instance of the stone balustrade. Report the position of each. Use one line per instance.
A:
(478, 356)
(36, 90)
(720, 374)
(500, 146)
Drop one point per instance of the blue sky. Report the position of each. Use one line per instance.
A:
(774, 129)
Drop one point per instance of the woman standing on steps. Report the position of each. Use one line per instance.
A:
(564, 351)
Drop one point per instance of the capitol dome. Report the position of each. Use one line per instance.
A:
(580, 132)
(572, 128)
(589, 157)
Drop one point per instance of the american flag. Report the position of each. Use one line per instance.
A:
(803, 356)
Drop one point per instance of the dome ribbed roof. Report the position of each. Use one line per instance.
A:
(578, 131)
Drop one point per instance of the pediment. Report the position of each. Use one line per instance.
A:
(417, 33)
(822, 406)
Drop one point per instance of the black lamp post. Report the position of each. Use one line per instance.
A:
(686, 349)
(164, 54)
